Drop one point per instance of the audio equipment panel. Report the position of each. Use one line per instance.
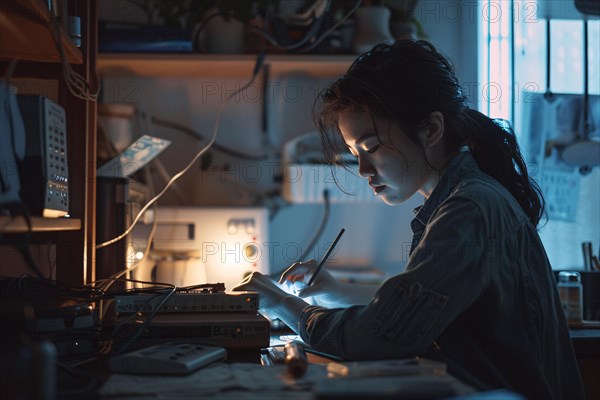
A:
(188, 302)
(44, 172)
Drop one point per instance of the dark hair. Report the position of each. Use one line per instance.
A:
(406, 82)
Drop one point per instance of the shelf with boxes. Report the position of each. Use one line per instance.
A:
(25, 34)
(38, 224)
(39, 58)
(218, 65)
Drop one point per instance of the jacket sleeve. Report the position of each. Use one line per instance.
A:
(445, 274)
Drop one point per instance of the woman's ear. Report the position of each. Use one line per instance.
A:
(434, 131)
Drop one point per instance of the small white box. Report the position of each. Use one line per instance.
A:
(305, 183)
(228, 243)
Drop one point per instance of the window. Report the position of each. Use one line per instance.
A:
(513, 48)
(527, 49)
(495, 68)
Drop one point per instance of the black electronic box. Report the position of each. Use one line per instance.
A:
(43, 173)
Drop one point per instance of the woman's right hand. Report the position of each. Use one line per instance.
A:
(325, 289)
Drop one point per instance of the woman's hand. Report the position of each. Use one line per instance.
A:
(325, 289)
(273, 302)
(270, 293)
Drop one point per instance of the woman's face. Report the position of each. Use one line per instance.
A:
(394, 165)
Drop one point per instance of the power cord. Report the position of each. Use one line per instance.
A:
(184, 129)
(106, 283)
(257, 67)
(310, 35)
(318, 233)
(77, 84)
(321, 228)
(146, 322)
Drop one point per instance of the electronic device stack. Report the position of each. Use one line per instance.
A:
(203, 314)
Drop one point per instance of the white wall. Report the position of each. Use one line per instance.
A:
(376, 234)
(563, 239)
(452, 27)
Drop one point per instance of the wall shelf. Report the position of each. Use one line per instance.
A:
(25, 34)
(217, 65)
(38, 224)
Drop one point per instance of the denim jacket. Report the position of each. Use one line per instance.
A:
(478, 292)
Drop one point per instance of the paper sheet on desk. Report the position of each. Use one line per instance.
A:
(253, 381)
(218, 381)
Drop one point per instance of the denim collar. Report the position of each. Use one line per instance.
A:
(457, 168)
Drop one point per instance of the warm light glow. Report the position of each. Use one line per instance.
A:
(51, 213)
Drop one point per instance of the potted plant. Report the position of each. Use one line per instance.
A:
(216, 26)
(372, 26)
(403, 24)
(220, 24)
(164, 12)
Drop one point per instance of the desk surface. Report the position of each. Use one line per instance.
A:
(251, 380)
(237, 380)
(585, 333)
(586, 342)
(254, 381)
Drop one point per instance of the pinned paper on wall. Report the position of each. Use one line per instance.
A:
(134, 157)
(561, 193)
(551, 126)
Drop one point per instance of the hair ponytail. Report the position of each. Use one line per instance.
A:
(494, 146)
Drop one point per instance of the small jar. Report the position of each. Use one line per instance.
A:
(571, 295)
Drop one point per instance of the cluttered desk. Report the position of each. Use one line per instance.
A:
(289, 373)
(288, 368)
(201, 343)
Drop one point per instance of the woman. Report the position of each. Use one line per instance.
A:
(478, 291)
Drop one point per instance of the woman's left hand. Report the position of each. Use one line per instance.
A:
(274, 303)
(270, 293)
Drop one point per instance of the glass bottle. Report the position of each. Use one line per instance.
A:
(571, 295)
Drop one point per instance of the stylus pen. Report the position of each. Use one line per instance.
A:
(325, 257)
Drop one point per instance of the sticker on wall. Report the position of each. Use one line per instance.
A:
(561, 193)
(138, 154)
